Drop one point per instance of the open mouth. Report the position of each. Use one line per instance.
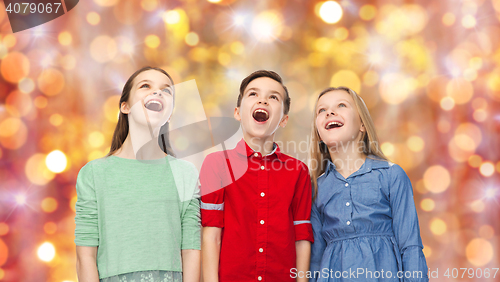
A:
(260, 115)
(333, 124)
(154, 105)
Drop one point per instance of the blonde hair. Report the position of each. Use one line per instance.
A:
(318, 152)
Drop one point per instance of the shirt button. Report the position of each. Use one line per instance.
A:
(262, 222)
(261, 250)
(347, 184)
(262, 194)
(348, 223)
(259, 278)
(262, 167)
(256, 154)
(347, 204)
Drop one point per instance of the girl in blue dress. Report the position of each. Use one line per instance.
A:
(364, 219)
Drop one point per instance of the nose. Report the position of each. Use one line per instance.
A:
(262, 101)
(331, 113)
(157, 93)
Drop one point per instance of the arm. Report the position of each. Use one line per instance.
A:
(86, 267)
(191, 254)
(191, 228)
(303, 250)
(191, 265)
(86, 226)
(318, 248)
(212, 219)
(301, 209)
(405, 224)
(210, 248)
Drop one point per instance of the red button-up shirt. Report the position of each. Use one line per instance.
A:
(263, 205)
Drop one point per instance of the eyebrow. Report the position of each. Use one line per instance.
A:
(257, 89)
(147, 80)
(322, 105)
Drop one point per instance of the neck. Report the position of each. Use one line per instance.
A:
(263, 145)
(141, 143)
(347, 158)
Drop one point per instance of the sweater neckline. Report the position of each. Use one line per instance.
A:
(135, 161)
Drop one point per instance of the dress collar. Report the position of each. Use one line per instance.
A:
(371, 162)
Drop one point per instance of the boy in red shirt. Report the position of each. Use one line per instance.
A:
(256, 201)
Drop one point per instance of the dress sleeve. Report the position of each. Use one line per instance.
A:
(319, 245)
(301, 206)
(86, 229)
(405, 225)
(212, 191)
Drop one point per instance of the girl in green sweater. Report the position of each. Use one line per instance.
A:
(137, 213)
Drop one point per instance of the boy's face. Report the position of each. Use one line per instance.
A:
(261, 109)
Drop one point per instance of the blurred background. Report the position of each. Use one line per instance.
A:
(429, 72)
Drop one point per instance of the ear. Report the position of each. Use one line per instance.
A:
(362, 128)
(125, 108)
(237, 114)
(283, 121)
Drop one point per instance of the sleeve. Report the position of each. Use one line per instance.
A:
(86, 218)
(301, 206)
(319, 245)
(191, 229)
(405, 225)
(212, 192)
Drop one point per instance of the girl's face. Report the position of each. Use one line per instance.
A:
(338, 121)
(151, 99)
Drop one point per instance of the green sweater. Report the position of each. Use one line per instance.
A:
(140, 214)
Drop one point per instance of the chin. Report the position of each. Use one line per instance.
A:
(262, 133)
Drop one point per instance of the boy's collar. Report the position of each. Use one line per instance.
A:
(245, 150)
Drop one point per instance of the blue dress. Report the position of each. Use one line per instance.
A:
(366, 226)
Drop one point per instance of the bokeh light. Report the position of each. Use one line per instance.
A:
(437, 179)
(56, 161)
(267, 26)
(4, 252)
(479, 252)
(487, 169)
(46, 252)
(49, 204)
(330, 12)
(93, 18)
(427, 204)
(438, 226)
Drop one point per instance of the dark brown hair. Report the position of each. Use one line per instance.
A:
(264, 73)
(121, 130)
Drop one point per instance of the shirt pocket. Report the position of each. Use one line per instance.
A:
(367, 193)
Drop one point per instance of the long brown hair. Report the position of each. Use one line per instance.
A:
(318, 152)
(122, 127)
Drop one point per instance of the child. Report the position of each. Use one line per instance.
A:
(256, 200)
(137, 215)
(364, 219)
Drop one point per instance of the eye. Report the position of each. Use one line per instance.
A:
(167, 90)
(275, 97)
(342, 105)
(145, 84)
(321, 110)
(252, 93)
